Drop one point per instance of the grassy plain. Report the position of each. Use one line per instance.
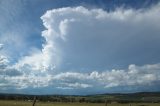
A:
(26, 103)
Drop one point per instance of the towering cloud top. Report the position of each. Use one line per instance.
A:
(92, 49)
(78, 38)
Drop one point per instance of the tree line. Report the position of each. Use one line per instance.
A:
(88, 99)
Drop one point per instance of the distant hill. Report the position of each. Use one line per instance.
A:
(98, 98)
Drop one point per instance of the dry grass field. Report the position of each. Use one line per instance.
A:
(26, 103)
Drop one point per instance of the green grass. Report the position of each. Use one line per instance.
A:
(26, 103)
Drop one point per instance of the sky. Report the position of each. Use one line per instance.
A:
(79, 47)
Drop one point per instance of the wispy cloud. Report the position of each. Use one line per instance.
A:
(1, 46)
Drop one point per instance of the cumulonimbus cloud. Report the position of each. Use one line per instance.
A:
(79, 40)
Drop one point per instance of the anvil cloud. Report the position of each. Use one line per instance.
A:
(90, 49)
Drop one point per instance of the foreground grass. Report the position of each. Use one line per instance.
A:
(26, 103)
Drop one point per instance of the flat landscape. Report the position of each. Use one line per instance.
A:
(26, 103)
(115, 99)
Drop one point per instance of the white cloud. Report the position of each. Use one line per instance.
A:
(81, 38)
(5, 68)
(67, 75)
(78, 38)
(134, 75)
(3, 60)
(79, 41)
(20, 77)
(77, 85)
(26, 81)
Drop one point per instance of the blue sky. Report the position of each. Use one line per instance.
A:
(79, 46)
